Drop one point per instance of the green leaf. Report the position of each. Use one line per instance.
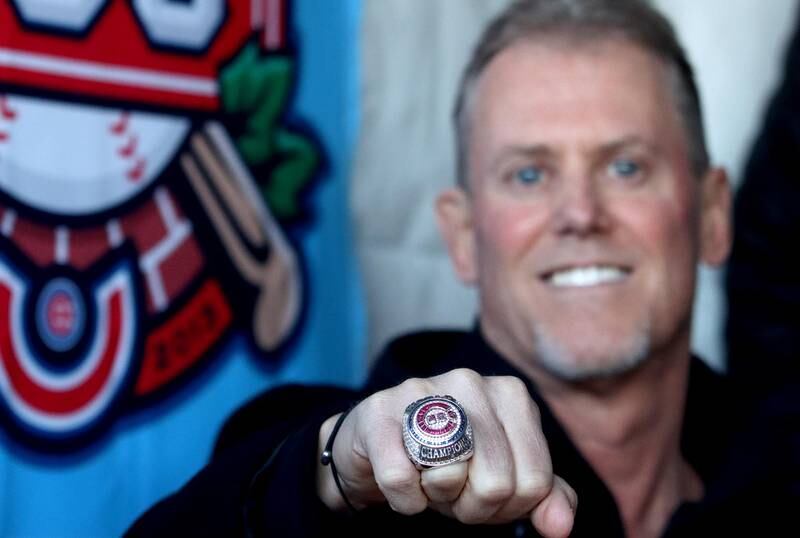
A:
(258, 87)
(297, 160)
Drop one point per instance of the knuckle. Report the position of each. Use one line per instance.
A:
(395, 480)
(514, 392)
(414, 385)
(533, 411)
(513, 385)
(370, 405)
(464, 377)
(467, 374)
(371, 409)
(534, 486)
(494, 491)
(441, 483)
(514, 389)
(518, 389)
(400, 488)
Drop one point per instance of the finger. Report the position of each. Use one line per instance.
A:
(490, 480)
(555, 515)
(444, 484)
(378, 430)
(352, 468)
(533, 470)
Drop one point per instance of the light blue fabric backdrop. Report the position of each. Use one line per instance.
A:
(99, 490)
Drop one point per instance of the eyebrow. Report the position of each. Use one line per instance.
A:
(547, 151)
(623, 143)
(510, 152)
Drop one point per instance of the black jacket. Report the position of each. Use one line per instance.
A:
(260, 480)
(763, 284)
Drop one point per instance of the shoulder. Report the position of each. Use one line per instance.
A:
(744, 441)
(418, 354)
(282, 410)
(418, 344)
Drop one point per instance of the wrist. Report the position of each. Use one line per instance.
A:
(326, 460)
(327, 491)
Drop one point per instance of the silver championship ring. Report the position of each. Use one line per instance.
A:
(436, 431)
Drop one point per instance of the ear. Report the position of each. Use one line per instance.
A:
(715, 218)
(454, 215)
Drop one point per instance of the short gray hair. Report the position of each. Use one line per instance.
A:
(584, 20)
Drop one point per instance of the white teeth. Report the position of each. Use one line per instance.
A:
(587, 276)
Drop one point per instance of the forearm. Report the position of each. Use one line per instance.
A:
(262, 473)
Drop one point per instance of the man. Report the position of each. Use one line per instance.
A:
(584, 203)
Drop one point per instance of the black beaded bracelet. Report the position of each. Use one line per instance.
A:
(327, 455)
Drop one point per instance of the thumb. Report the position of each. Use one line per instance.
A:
(555, 515)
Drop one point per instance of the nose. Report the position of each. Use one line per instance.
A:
(580, 208)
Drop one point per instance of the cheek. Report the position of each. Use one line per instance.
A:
(681, 230)
(509, 230)
(667, 230)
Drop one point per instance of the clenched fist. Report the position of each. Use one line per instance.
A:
(509, 477)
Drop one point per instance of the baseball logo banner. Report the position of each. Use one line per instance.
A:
(166, 181)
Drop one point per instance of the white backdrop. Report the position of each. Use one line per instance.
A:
(412, 54)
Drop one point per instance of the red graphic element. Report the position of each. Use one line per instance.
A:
(135, 173)
(185, 338)
(437, 418)
(36, 240)
(180, 267)
(145, 226)
(148, 229)
(121, 128)
(86, 245)
(129, 149)
(121, 125)
(60, 314)
(139, 72)
(5, 110)
(6, 113)
(60, 402)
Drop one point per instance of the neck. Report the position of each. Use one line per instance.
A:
(629, 430)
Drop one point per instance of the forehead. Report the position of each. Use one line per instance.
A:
(558, 91)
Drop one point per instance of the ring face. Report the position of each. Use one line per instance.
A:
(436, 432)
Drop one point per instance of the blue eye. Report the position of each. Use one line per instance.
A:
(624, 168)
(529, 175)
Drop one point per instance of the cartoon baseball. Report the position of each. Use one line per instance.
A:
(139, 184)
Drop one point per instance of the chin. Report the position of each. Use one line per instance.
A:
(591, 358)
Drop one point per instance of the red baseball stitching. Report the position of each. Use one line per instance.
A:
(130, 144)
(8, 114)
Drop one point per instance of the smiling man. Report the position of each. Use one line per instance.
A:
(584, 204)
(581, 213)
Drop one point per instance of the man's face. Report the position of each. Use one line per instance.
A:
(583, 224)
